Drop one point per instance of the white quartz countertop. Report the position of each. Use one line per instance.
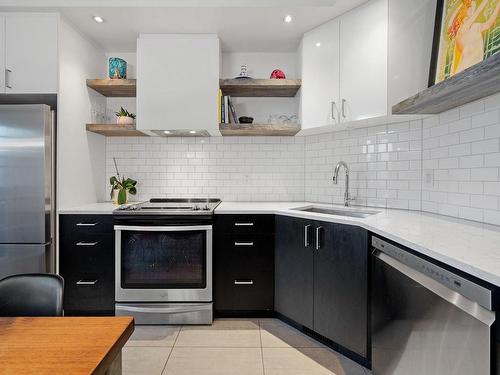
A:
(90, 209)
(471, 247)
(468, 246)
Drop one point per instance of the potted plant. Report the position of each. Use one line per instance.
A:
(124, 117)
(121, 187)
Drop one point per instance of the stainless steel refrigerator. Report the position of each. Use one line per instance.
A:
(27, 204)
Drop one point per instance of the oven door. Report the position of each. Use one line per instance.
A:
(163, 263)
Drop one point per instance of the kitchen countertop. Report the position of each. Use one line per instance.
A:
(90, 209)
(468, 246)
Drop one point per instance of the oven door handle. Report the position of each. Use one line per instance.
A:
(183, 228)
(162, 310)
(463, 303)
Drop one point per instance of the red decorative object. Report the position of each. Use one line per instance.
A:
(278, 74)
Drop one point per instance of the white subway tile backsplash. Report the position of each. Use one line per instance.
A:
(231, 168)
(472, 135)
(447, 164)
(458, 149)
(487, 118)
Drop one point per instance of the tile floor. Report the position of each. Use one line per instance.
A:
(231, 347)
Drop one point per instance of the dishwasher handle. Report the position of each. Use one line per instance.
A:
(463, 303)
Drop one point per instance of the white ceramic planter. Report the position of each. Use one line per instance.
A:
(124, 120)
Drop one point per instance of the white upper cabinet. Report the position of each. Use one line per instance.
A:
(178, 82)
(30, 53)
(377, 54)
(320, 75)
(411, 25)
(363, 62)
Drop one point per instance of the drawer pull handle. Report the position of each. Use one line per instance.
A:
(243, 282)
(243, 243)
(87, 243)
(86, 282)
(86, 224)
(243, 224)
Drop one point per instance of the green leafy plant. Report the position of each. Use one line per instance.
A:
(124, 113)
(123, 185)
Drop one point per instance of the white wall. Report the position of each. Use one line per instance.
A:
(229, 168)
(385, 164)
(461, 162)
(447, 164)
(81, 155)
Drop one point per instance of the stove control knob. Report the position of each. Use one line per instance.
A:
(196, 207)
(206, 208)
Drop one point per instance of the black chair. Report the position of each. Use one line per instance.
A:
(35, 294)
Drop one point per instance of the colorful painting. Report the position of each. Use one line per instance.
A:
(117, 68)
(469, 32)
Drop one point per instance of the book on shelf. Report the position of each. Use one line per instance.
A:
(226, 109)
(219, 104)
(232, 110)
(226, 112)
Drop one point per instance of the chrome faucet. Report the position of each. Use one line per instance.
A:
(342, 163)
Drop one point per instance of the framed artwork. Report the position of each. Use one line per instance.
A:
(466, 32)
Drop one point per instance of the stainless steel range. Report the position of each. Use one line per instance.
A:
(163, 261)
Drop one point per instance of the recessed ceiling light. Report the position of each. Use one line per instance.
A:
(192, 131)
(166, 131)
(318, 44)
(98, 19)
(288, 18)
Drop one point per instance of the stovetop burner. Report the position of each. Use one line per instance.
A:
(171, 206)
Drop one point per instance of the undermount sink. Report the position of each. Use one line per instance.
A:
(337, 211)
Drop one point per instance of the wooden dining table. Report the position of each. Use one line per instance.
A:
(63, 345)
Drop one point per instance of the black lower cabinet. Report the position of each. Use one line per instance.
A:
(322, 280)
(87, 264)
(294, 283)
(244, 265)
(341, 286)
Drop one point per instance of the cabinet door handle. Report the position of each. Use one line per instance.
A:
(318, 237)
(243, 224)
(86, 224)
(243, 243)
(243, 282)
(306, 235)
(82, 243)
(86, 282)
(343, 108)
(7, 78)
(333, 110)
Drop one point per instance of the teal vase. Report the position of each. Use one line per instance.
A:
(117, 68)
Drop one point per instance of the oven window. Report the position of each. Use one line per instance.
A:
(163, 260)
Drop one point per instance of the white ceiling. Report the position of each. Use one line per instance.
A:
(245, 25)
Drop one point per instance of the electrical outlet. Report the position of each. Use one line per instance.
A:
(429, 179)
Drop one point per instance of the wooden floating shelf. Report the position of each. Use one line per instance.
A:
(472, 84)
(115, 130)
(285, 88)
(259, 129)
(114, 88)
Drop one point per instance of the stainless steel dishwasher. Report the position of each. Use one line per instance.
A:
(426, 319)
